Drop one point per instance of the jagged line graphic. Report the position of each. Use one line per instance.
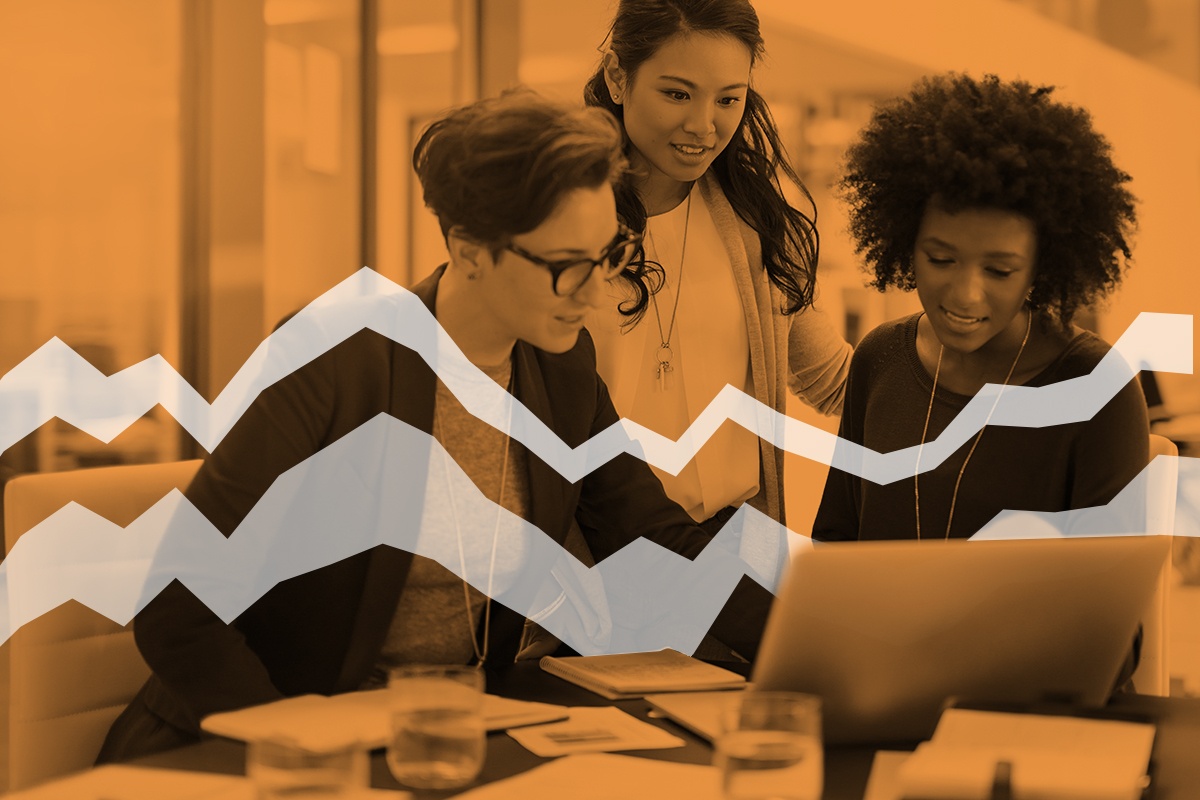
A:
(56, 382)
(345, 499)
(350, 497)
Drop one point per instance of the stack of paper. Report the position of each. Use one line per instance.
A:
(318, 723)
(1052, 758)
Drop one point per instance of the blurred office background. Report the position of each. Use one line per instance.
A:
(177, 175)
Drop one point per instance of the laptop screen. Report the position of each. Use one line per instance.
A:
(887, 632)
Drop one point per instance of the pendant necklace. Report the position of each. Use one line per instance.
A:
(480, 650)
(665, 354)
(924, 431)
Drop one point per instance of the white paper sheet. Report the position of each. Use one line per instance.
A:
(883, 782)
(603, 776)
(594, 730)
(120, 782)
(318, 722)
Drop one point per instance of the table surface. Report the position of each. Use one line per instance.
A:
(1176, 767)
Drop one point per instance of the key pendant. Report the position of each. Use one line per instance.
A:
(663, 368)
(664, 365)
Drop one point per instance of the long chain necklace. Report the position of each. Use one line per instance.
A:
(664, 354)
(481, 651)
(924, 431)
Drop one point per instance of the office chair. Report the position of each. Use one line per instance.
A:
(1153, 674)
(73, 670)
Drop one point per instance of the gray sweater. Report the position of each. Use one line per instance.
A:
(803, 353)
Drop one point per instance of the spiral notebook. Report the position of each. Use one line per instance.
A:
(631, 675)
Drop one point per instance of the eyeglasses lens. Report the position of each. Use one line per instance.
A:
(573, 277)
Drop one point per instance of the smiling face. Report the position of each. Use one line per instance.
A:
(973, 270)
(518, 301)
(681, 108)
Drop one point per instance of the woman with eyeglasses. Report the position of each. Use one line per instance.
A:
(522, 189)
(738, 261)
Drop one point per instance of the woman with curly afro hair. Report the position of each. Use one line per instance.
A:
(1003, 209)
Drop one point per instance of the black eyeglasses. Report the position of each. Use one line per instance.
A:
(569, 276)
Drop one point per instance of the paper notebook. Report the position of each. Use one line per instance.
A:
(319, 722)
(631, 675)
(1064, 758)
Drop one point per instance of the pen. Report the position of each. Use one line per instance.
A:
(571, 737)
(1002, 784)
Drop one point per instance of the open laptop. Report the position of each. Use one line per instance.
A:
(887, 632)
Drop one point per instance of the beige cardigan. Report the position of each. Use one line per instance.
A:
(801, 352)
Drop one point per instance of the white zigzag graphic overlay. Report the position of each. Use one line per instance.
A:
(56, 382)
(344, 500)
(77, 555)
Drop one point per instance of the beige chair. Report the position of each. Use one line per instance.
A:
(74, 670)
(1153, 673)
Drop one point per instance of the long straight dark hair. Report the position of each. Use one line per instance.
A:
(748, 168)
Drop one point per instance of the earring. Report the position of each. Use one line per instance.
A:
(616, 97)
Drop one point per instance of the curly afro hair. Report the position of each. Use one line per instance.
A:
(992, 144)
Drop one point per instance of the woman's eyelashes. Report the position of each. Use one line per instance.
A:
(994, 271)
(680, 96)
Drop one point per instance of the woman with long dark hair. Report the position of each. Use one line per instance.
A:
(738, 261)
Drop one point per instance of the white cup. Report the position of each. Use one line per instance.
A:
(438, 737)
(281, 768)
(770, 747)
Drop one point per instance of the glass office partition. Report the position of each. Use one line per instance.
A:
(427, 57)
(311, 150)
(90, 205)
(278, 169)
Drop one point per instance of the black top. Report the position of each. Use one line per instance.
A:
(320, 632)
(1055, 468)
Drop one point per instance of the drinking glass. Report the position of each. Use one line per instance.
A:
(438, 736)
(282, 768)
(770, 747)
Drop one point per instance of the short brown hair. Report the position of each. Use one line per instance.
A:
(499, 167)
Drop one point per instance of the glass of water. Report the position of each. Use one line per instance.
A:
(438, 736)
(770, 747)
(282, 768)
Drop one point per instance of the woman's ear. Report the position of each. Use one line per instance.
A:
(614, 77)
(466, 254)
